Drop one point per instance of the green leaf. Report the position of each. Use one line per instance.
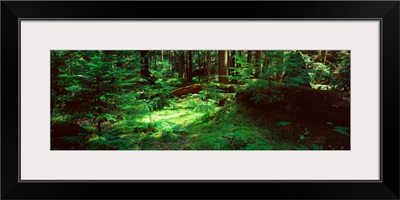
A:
(342, 130)
(283, 123)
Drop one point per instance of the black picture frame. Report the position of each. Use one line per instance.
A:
(386, 11)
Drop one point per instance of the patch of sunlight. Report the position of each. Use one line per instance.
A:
(178, 116)
(187, 104)
(193, 135)
(173, 80)
(93, 137)
(167, 114)
(124, 135)
(253, 80)
(321, 87)
(156, 135)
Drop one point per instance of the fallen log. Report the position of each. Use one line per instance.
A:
(196, 88)
(190, 89)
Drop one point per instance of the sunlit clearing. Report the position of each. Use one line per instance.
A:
(181, 117)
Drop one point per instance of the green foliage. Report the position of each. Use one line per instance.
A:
(166, 127)
(106, 94)
(304, 134)
(110, 142)
(212, 92)
(263, 93)
(157, 96)
(92, 81)
(262, 98)
(206, 106)
(341, 77)
(293, 69)
(329, 69)
(342, 130)
(317, 147)
(283, 123)
(128, 127)
(302, 137)
(106, 116)
(301, 148)
(228, 137)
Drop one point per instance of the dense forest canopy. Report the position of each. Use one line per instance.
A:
(200, 99)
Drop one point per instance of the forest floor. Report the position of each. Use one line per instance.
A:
(242, 127)
(226, 129)
(233, 126)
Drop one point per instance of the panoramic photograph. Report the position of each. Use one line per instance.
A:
(200, 100)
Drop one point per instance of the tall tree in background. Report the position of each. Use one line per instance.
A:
(223, 66)
(199, 65)
(208, 65)
(171, 58)
(181, 66)
(266, 63)
(162, 59)
(232, 62)
(249, 57)
(258, 63)
(190, 67)
(145, 72)
(154, 59)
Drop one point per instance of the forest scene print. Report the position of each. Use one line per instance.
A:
(200, 99)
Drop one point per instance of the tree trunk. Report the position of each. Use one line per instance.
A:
(232, 63)
(145, 64)
(266, 62)
(223, 67)
(283, 71)
(229, 62)
(192, 89)
(208, 65)
(109, 52)
(249, 57)
(171, 60)
(145, 72)
(258, 63)
(190, 67)
(320, 55)
(199, 64)
(181, 63)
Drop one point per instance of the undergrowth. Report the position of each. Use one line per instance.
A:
(199, 122)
